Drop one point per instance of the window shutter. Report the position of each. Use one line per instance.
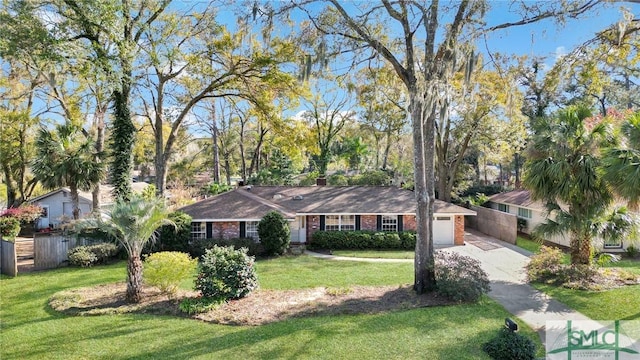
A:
(357, 222)
(379, 223)
(400, 224)
(243, 229)
(322, 222)
(209, 230)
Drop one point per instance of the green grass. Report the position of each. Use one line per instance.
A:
(617, 304)
(376, 254)
(528, 244)
(32, 330)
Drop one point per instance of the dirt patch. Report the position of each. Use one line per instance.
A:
(260, 307)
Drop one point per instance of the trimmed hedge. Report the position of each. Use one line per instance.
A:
(86, 256)
(198, 247)
(360, 240)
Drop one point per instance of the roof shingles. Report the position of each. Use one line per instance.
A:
(311, 200)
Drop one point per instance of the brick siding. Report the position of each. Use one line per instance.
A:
(458, 232)
(226, 230)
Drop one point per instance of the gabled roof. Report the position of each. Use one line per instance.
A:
(253, 202)
(105, 193)
(520, 198)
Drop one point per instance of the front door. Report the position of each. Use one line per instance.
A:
(302, 229)
(43, 221)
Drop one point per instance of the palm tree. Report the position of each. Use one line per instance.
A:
(66, 157)
(621, 164)
(563, 172)
(133, 224)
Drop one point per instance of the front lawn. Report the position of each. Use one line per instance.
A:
(616, 304)
(32, 330)
(376, 254)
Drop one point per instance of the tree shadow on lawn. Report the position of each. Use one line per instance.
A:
(435, 333)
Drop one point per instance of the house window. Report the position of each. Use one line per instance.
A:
(389, 223)
(613, 244)
(339, 222)
(503, 207)
(198, 230)
(524, 213)
(251, 230)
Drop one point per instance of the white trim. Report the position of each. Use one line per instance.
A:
(408, 214)
(231, 220)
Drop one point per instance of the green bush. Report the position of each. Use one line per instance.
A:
(175, 238)
(198, 247)
(226, 273)
(362, 240)
(9, 227)
(632, 251)
(167, 269)
(274, 233)
(198, 305)
(371, 178)
(459, 277)
(82, 256)
(545, 265)
(509, 345)
(337, 180)
(86, 256)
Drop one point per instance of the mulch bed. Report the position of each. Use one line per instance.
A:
(260, 307)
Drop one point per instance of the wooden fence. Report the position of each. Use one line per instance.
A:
(50, 250)
(8, 258)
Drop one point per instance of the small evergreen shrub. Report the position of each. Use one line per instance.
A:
(82, 256)
(274, 233)
(337, 180)
(86, 256)
(632, 251)
(198, 305)
(459, 277)
(198, 247)
(175, 238)
(9, 227)
(545, 265)
(509, 345)
(371, 178)
(226, 273)
(362, 240)
(167, 269)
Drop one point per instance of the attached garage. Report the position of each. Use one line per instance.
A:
(443, 230)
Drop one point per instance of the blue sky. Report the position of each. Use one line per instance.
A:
(546, 38)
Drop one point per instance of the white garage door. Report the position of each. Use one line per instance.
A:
(443, 230)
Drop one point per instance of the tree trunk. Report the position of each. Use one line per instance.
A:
(134, 279)
(580, 249)
(423, 152)
(75, 200)
(99, 147)
(216, 154)
(123, 137)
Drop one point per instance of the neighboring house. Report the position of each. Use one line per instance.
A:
(519, 203)
(311, 208)
(58, 207)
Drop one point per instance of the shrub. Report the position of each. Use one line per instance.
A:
(198, 247)
(226, 273)
(371, 178)
(274, 233)
(509, 345)
(167, 269)
(82, 256)
(357, 240)
(198, 305)
(545, 265)
(86, 256)
(9, 227)
(459, 277)
(632, 251)
(175, 238)
(24, 214)
(337, 180)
